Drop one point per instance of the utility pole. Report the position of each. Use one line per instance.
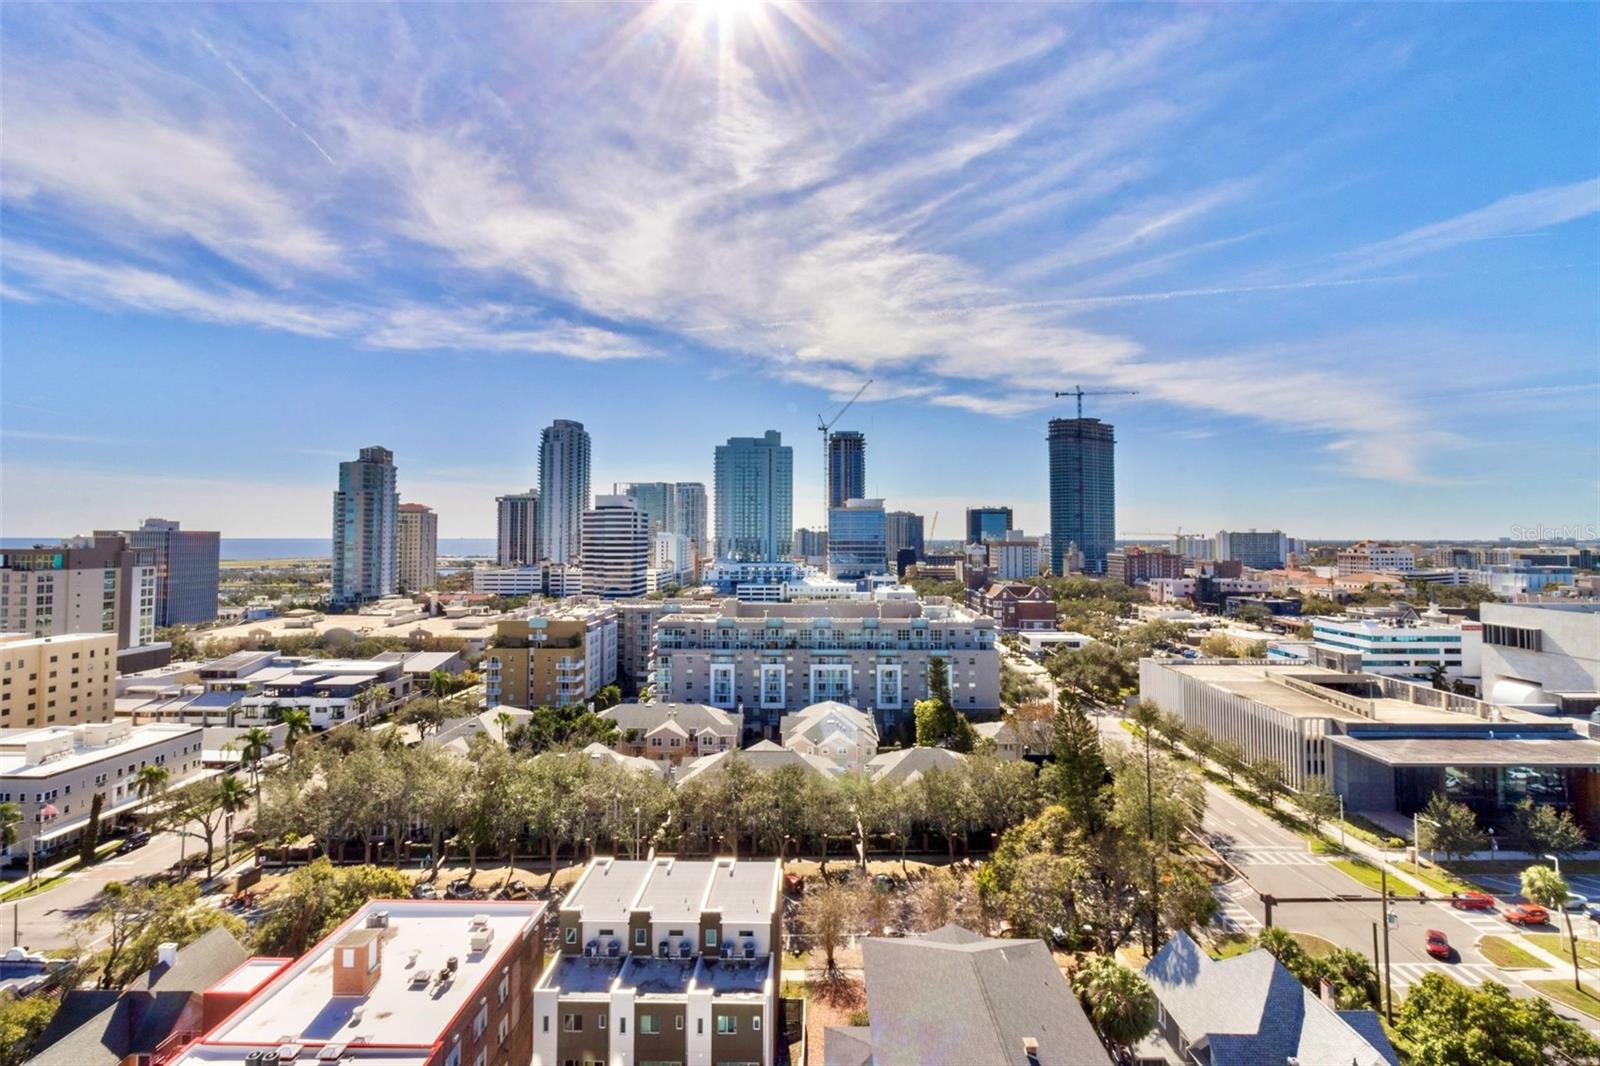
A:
(1388, 983)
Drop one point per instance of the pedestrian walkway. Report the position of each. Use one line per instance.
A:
(1231, 914)
(1406, 974)
(1485, 921)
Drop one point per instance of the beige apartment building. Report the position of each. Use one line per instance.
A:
(83, 585)
(65, 680)
(557, 659)
(417, 559)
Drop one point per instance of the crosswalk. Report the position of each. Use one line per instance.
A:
(1406, 974)
(1271, 856)
(1484, 921)
(1231, 914)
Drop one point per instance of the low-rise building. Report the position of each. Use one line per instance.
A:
(53, 775)
(1016, 606)
(1015, 557)
(1040, 644)
(508, 580)
(770, 659)
(1007, 741)
(675, 732)
(1135, 565)
(998, 1002)
(559, 658)
(1522, 578)
(1400, 647)
(905, 765)
(834, 731)
(400, 982)
(63, 680)
(1538, 655)
(1374, 557)
(762, 757)
(665, 960)
(1250, 1008)
(331, 691)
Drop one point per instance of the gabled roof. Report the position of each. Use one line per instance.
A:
(955, 997)
(692, 717)
(821, 719)
(1250, 1009)
(762, 757)
(908, 764)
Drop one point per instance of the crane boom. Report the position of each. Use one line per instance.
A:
(1078, 391)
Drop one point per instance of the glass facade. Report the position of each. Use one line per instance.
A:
(857, 540)
(1493, 792)
(987, 523)
(1082, 491)
(754, 498)
(847, 467)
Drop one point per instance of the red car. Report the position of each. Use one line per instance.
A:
(1438, 946)
(1471, 901)
(1525, 914)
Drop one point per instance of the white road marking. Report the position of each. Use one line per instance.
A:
(1468, 973)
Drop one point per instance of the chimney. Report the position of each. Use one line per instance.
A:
(166, 954)
(1030, 1049)
(1326, 990)
(356, 959)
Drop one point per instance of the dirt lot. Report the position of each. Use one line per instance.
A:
(827, 1008)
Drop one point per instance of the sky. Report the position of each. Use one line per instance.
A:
(1346, 256)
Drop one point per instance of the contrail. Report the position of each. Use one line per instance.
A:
(246, 82)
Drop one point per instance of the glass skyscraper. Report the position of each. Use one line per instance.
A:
(847, 467)
(366, 520)
(987, 523)
(1083, 500)
(563, 489)
(754, 488)
(857, 539)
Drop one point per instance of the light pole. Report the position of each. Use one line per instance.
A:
(1553, 859)
(1341, 822)
(636, 833)
(1416, 837)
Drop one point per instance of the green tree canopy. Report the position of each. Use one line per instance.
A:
(1448, 1024)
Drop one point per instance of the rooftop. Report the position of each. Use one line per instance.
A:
(674, 890)
(1499, 747)
(299, 1005)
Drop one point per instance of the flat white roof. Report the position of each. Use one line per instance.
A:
(250, 975)
(422, 934)
(15, 763)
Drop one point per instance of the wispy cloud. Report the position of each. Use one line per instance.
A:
(259, 95)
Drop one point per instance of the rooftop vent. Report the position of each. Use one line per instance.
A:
(288, 1052)
(378, 920)
(1030, 1048)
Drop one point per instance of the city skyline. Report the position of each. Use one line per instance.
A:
(1315, 273)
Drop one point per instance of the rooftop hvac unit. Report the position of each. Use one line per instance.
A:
(254, 1058)
(685, 949)
(481, 939)
(479, 921)
(269, 1058)
(749, 949)
(378, 920)
(330, 1052)
(288, 1052)
(664, 949)
(614, 948)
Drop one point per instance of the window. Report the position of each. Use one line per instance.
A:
(505, 988)
(482, 1059)
(504, 1029)
(639, 935)
(711, 938)
(755, 1024)
(572, 934)
(545, 1027)
(480, 1023)
(572, 1023)
(679, 1023)
(727, 1024)
(601, 1022)
(647, 1025)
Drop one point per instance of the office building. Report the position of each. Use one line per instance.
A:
(665, 960)
(1196, 549)
(772, 658)
(563, 489)
(418, 550)
(401, 982)
(96, 584)
(903, 531)
(1257, 549)
(1014, 557)
(65, 680)
(366, 520)
(1540, 656)
(52, 775)
(754, 486)
(811, 546)
(517, 522)
(616, 548)
(1521, 578)
(1083, 494)
(952, 996)
(655, 500)
(508, 580)
(1369, 557)
(847, 467)
(987, 523)
(1136, 566)
(559, 658)
(1400, 647)
(689, 515)
(1385, 744)
(187, 568)
(857, 539)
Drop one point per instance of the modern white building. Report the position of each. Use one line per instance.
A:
(508, 581)
(1522, 579)
(366, 518)
(616, 548)
(1257, 549)
(1371, 557)
(563, 489)
(1540, 656)
(52, 774)
(419, 547)
(1014, 557)
(754, 486)
(1395, 647)
(331, 691)
(517, 524)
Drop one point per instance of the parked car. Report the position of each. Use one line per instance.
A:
(1576, 904)
(1471, 901)
(424, 891)
(461, 888)
(1525, 914)
(1438, 945)
(135, 840)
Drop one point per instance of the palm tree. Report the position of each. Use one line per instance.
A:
(10, 818)
(255, 744)
(1546, 887)
(1118, 1001)
(231, 797)
(297, 723)
(151, 781)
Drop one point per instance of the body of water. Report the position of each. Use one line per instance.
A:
(244, 548)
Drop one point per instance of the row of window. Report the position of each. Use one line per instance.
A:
(727, 1024)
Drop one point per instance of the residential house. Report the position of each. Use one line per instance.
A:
(908, 764)
(834, 731)
(761, 757)
(1007, 741)
(674, 732)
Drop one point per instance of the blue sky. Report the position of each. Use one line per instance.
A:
(1347, 255)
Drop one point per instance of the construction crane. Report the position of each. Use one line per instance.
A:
(1078, 391)
(826, 428)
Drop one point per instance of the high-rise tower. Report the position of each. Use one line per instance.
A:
(1082, 491)
(754, 487)
(563, 489)
(847, 467)
(517, 523)
(366, 521)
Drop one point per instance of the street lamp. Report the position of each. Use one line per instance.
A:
(1416, 836)
(1555, 860)
(1341, 822)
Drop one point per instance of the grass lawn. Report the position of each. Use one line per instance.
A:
(1437, 878)
(1231, 944)
(1563, 992)
(1361, 870)
(1313, 945)
(1556, 944)
(22, 888)
(1514, 867)
(1507, 955)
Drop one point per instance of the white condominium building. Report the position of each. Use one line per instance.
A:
(1369, 557)
(616, 548)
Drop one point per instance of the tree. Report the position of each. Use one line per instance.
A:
(91, 829)
(1449, 827)
(829, 913)
(1218, 646)
(427, 713)
(1230, 755)
(10, 818)
(609, 696)
(1544, 886)
(1267, 777)
(255, 744)
(1096, 673)
(573, 726)
(232, 796)
(139, 917)
(1449, 1024)
(316, 898)
(197, 804)
(1078, 777)
(21, 1022)
(1317, 801)
(151, 781)
(297, 724)
(1118, 1001)
(939, 724)
(946, 801)
(1546, 830)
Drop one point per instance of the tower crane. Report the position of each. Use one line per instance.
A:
(826, 428)
(1078, 391)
